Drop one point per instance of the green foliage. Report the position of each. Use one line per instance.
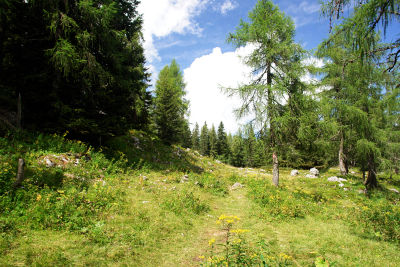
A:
(380, 220)
(170, 105)
(79, 66)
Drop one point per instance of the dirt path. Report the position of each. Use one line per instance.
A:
(236, 203)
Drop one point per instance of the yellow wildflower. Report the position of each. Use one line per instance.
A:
(39, 197)
(201, 257)
(211, 242)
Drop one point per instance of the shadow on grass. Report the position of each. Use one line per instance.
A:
(144, 152)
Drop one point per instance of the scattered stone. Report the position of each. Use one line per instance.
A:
(185, 178)
(145, 202)
(236, 186)
(144, 178)
(336, 179)
(217, 161)
(196, 183)
(394, 190)
(311, 176)
(294, 172)
(49, 163)
(261, 170)
(314, 171)
(341, 185)
(173, 188)
(345, 189)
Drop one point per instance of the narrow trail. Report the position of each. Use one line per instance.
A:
(236, 203)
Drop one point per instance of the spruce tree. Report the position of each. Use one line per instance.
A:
(222, 142)
(213, 142)
(170, 105)
(204, 141)
(237, 151)
(196, 137)
(250, 147)
(78, 66)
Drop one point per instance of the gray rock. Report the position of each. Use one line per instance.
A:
(341, 185)
(394, 190)
(236, 186)
(294, 172)
(217, 161)
(49, 163)
(311, 176)
(185, 178)
(314, 171)
(336, 179)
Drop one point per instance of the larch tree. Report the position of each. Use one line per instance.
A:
(361, 24)
(271, 35)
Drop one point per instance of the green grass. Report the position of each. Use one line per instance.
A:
(127, 205)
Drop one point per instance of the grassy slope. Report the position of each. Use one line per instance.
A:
(160, 221)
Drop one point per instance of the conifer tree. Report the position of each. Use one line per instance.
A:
(186, 136)
(237, 150)
(213, 142)
(196, 137)
(272, 61)
(204, 141)
(170, 105)
(222, 142)
(250, 147)
(78, 66)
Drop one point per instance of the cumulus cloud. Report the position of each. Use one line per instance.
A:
(163, 17)
(228, 5)
(204, 79)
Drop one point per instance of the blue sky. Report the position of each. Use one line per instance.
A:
(194, 33)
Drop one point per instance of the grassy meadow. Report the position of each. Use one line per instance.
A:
(137, 202)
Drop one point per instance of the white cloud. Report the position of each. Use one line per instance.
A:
(228, 5)
(163, 17)
(204, 78)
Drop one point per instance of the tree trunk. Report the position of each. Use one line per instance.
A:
(342, 157)
(371, 181)
(19, 112)
(275, 170)
(20, 173)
